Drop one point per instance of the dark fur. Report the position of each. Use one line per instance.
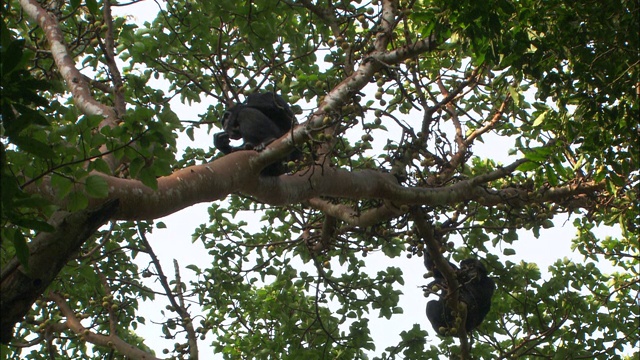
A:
(274, 107)
(476, 290)
(263, 118)
(248, 124)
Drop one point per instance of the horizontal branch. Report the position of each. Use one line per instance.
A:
(238, 172)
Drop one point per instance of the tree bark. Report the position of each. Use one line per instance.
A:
(20, 286)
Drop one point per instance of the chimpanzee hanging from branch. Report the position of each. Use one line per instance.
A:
(475, 289)
(468, 284)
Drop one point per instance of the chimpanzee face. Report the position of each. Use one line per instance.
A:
(230, 123)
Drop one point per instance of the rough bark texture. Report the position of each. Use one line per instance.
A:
(48, 253)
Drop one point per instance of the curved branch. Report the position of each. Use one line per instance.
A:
(48, 253)
(110, 341)
(350, 216)
(76, 82)
(176, 300)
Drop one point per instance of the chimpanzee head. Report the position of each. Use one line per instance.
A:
(473, 269)
(230, 123)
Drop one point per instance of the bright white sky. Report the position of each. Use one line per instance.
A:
(174, 242)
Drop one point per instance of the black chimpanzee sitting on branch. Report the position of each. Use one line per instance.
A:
(261, 119)
(475, 290)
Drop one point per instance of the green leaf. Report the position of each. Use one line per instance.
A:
(96, 186)
(515, 96)
(148, 177)
(30, 116)
(528, 166)
(540, 119)
(135, 166)
(30, 201)
(538, 154)
(34, 225)
(552, 176)
(508, 252)
(92, 121)
(62, 184)
(617, 180)
(92, 5)
(101, 166)
(33, 146)
(536, 232)
(11, 56)
(22, 250)
(78, 201)
(193, 268)
(168, 116)
(510, 236)
(558, 167)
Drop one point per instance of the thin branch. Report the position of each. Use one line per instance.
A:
(110, 341)
(178, 304)
(426, 232)
(187, 322)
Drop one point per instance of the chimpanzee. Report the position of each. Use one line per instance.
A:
(263, 118)
(438, 278)
(475, 290)
(274, 107)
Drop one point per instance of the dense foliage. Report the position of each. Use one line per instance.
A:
(392, 97)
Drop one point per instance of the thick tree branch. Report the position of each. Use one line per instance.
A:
(75, 81)
(49, 252)
(238, 173)
(348, 215)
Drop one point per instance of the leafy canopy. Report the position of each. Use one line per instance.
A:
(483, 120)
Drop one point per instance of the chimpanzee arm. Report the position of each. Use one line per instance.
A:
(438, 277)
(221, 142)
